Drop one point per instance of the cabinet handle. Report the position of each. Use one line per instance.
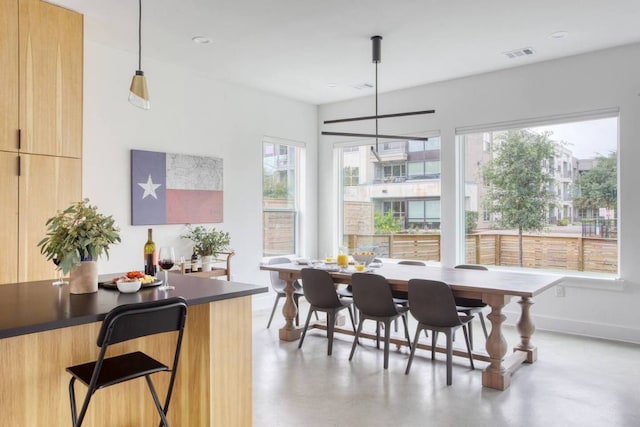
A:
(19, 139)
(19, 166)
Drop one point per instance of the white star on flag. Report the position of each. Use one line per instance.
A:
(149, 188)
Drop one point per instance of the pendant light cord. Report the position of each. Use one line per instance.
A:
(140, 35)
(376, 106)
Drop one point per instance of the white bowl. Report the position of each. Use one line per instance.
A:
(364, 257)
(128, 287)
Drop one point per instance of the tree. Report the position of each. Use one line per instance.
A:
(518, 181)
(386, 223)
(273, 188)
(598, 187)
(470, 221)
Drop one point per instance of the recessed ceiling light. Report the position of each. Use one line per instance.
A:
(201, 40)
(559, 34)
(332, 85)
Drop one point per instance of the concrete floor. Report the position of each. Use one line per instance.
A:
(576, 381)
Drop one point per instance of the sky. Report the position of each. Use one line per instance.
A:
(587, 139)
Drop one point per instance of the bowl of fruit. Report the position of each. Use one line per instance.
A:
(363, 257)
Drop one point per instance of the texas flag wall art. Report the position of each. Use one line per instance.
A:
(171, 188)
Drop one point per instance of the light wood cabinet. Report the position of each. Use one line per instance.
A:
(51, 70)
(9, 75)
(9, 217)
(41, 72)
(47, 184)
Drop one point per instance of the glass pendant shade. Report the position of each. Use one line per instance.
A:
(138, 93)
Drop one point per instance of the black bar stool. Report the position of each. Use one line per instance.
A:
(125, 323)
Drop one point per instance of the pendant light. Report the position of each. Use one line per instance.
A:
(138, 93)
(376, 48)
(375, 58)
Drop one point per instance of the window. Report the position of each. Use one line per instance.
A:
(424, 214)
(395, 208)
(385, 209)
(280, 164)
(424, 170)
(391, 171)
(351, 175)
(548, 192)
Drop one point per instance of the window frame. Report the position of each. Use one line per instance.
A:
(460, 141)
(299, 158)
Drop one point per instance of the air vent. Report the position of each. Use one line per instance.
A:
(525, 51)
(363, 86)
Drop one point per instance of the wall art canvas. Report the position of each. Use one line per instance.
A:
(169, 188)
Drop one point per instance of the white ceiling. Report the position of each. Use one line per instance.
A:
(298, 48)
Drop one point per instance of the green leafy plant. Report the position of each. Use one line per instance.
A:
(386, 223)
(78, 233)
(471, 221)
(208, 242)
(598, 187)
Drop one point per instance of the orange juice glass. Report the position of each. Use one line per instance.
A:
(343, 260)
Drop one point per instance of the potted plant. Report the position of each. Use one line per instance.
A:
(207, 243)
(76, 237)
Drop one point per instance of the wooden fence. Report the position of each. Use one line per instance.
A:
(542, 252)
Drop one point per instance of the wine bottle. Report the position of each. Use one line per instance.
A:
(194, 261)
(150, 255)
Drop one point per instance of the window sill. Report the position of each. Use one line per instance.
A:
(576, 279)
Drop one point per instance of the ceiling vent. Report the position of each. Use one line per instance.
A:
(525, 51)
(363, 86)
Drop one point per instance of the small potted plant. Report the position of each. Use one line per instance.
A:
(76, 237)
(207, 243)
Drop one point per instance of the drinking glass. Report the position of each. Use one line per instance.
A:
(166, 260)
(60, 280)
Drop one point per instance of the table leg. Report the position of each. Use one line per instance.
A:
(289, 332)
(526, 329)
(496, 375)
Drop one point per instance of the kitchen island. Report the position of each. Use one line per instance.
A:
(44, 329)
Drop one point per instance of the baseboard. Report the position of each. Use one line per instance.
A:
(579, 327)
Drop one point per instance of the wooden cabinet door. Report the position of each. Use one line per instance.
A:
(51, 70)
(9, 217)
(9, 75)
(47, 184)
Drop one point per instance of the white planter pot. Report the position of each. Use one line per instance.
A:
(207, 263)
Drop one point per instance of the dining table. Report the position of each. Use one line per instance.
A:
(495, 287)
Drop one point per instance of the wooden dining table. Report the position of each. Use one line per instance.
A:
(494, 287)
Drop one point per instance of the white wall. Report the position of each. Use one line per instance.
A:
(194, 115)
(590, 82)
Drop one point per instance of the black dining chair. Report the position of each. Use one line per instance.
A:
(471, 306)
(348, 293)
(372, 297)
(278, 285)
(431, 303)
(124, 323)
(400, 297)
(320, 291)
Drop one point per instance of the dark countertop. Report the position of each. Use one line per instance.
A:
(31, 307)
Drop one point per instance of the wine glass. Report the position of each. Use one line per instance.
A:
(60, 280)
(166, 260)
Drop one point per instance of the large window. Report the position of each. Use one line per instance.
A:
(547, 197)
(424, 214)
(280, 164)
(391, 210)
